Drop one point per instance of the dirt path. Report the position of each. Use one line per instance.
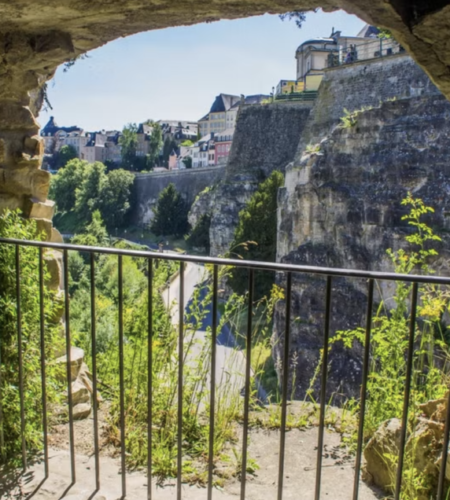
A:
(299, 480)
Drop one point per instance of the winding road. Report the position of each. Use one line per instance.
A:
(230, 359)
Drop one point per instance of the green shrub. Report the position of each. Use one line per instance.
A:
(255, 237)
(12, 225)
(199, 236)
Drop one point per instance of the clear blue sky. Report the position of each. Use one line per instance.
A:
(176, 73)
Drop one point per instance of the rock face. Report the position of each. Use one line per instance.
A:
(341, 207)
(423, 449)
(265, 140)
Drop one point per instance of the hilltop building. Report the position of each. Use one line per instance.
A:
(314, 56)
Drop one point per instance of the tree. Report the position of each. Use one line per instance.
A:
(88, 192)
(128, 143)
(199, 236)
(256, 234)
(298, 15)
(114, 197)
(64, 184)
(169, 145)
(94, 234)
(155, 144)
(170, 214)
(65, 154)
(187, 143)
(187, 162)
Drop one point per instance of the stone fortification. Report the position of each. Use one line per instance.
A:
(189, 183)
(363, 84)
(265, 140)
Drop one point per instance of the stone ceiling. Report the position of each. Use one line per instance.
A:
(41, 34)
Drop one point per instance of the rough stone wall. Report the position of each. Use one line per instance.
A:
(363, 84)
(189, 183)
(342, 208)
(265, 140)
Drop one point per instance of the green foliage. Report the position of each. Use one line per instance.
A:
(312, 148)
(199, 235)
(13, 226)
(81, 188)
(187, 143)
(350, 118)
(128, 143)
(64, 184)
(155, 144)
(170, 216)
(384, 33)
(255, 235)
(94, 234)
(114, 197)
(187, 162)
(299, 16)
(65, 154)
(88, 193)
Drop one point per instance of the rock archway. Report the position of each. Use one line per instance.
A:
(38, 35)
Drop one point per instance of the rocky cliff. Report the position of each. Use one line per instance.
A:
(341, 207)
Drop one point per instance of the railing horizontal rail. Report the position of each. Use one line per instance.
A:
(268, 266)
(185, 331)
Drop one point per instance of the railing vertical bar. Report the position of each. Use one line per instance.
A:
(407, 393)
(180, 382)
(94, 373)
(251, 279)
(212, 407)
(19, 347)
(150, 378)
(69, 363)
(287, 331)
(122, 381)
(365, 374)
(2, 434)
(442, 471)
(323, 387)
(43, 374)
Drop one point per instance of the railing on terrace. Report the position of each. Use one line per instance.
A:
(306, 96)
(367, 51)
(289, 272)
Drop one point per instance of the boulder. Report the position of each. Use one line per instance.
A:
(379, 469)
(81, 411)
(76, 360)
(80, 393)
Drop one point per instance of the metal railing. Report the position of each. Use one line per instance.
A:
(373, 49)
(289, 271)
(305, 96)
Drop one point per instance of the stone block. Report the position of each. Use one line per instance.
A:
(81, 411)
(80, 394)
(53, 261)
(44, 226)
(34, 145)
(385, 441)
(76, 360)
(25, 181)
(55, 236)
(11, 202)
(14, 116)
(36, 209)
(28, 161)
